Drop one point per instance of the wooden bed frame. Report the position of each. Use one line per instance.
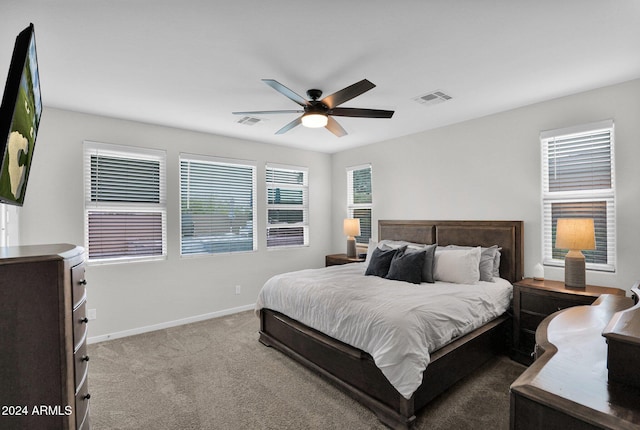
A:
(354, 370)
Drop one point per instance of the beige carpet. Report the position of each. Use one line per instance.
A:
(216, 375)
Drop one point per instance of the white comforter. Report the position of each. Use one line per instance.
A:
(399, 324)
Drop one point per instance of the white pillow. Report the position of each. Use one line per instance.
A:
(459, 266)
(488, 258)
(395, 244)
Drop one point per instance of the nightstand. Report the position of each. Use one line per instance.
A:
(336, 259)
(533, 301)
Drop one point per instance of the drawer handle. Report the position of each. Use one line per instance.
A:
(85, 358)
(82, 282)
(84, 320)
(86, 396)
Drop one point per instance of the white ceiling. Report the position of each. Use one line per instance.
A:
(190, 63)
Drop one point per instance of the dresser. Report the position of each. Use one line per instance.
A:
(337, 259)
(534, 300)
(43, 331)
(568, 386)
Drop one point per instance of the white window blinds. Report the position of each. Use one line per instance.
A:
(125, 202)
(360, 199)
(578, 181)
(287, 206)
(216, 205)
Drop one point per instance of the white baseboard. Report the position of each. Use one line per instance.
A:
(160, 326)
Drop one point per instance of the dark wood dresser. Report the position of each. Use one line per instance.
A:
(43, 331)
(337, 259)
(534, 300)
(567, 387)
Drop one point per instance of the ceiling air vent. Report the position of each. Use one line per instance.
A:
(249, 120)
(432, 98)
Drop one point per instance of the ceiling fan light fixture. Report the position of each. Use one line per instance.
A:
(316, 112)
(314, 120)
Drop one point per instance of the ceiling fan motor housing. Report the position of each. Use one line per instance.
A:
(314, 94)
(316, 107)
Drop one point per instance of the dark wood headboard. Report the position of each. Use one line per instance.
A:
(506, 234)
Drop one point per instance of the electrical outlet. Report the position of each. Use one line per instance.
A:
(237, 289)
(91, 314)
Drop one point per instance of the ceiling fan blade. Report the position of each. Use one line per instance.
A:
(335, 128)
(361, 113)
(286, 92)
(263, 112)
(347, 93)
(296, 122)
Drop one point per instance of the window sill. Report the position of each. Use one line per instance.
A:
(124, 260)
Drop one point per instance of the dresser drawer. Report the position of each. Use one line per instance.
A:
(78, 283)
(546, 305)
(81, 362)
(80, 322)
(82, 407)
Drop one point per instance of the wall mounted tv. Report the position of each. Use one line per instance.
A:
(19, 118)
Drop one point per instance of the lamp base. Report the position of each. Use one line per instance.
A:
(351, 248)
(574, 271)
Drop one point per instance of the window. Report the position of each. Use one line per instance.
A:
(216, 205)
(578, 182)
(359, 199)
(287, 206)
(125, 203)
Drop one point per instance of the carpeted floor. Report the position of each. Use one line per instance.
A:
(216, 375)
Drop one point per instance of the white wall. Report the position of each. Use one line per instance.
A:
(128, 297)
(489, 168)
(9, 225)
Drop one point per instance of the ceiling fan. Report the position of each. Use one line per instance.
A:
(318, 113)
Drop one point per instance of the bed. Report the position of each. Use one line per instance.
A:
(355, 370)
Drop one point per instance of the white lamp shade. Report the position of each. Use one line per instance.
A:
(314, 120)
(351, 227)
(575, 234)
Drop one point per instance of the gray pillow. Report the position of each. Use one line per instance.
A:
(496, 263)
(486, 263)
(380, 261)
(429, 260)
(407, 266)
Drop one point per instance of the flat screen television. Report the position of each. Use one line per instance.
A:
(19, 118)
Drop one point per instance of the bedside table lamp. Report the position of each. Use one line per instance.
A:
(538, 272)
(575, 234)
(351, 229)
